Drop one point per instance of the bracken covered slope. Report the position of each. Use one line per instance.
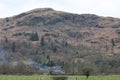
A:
(86, 29)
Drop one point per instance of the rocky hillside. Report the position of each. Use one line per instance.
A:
(86, 29)
(85, 34)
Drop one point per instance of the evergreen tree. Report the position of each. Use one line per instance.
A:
(54, 48)
(113, 42)
(42, 41)
(6, 40)
(34, 37)
(13, 48)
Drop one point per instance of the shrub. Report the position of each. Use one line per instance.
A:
(60, 78)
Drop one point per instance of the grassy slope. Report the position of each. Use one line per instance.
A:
(45, 77)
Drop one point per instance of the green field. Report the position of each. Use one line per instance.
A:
(46, 77)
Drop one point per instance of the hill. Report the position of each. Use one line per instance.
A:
(52, 38)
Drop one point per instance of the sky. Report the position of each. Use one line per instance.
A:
(107, 8)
